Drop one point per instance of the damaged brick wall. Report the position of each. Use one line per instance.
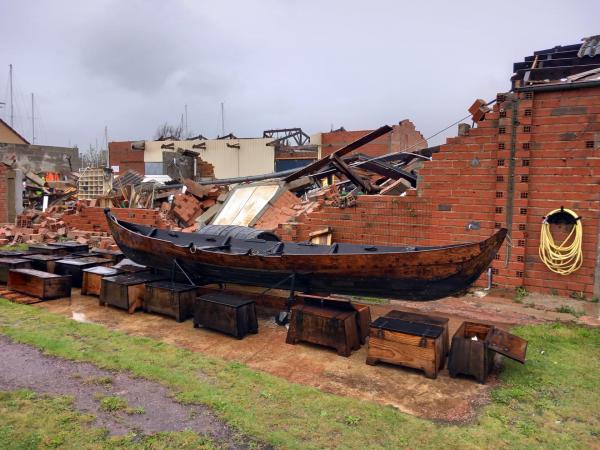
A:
(280, 211)
(4, 193)
(93, 219)
(121, 154)
(41, 158)
(403, 136)
(531, 154)
(375, 220)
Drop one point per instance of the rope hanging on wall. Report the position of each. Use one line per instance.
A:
(564, 258)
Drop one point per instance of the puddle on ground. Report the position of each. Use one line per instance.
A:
(80, 317)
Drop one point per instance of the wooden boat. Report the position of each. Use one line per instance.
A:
(411, 273)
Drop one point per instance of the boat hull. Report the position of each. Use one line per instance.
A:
(410, 275)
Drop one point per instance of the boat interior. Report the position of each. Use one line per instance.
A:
(261, 247)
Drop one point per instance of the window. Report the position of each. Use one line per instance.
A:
(154, 168)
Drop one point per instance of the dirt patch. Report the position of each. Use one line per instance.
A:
(141, 406)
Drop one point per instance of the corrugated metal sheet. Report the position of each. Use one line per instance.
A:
(244, 204)
(253, 157)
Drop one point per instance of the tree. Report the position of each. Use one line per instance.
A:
(93, 157)
(167, 131)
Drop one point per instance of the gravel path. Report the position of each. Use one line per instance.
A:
(25, 367)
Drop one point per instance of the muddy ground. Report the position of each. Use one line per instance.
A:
(444, 398)
(24, 367)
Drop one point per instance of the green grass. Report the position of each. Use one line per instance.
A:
(552, 401)
(15, 247)
(578, 295)
(113, 403)
(520, 294)
(100, 381)
(570, 310)
(373, 300)
(31, 421)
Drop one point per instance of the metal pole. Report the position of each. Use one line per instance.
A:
(106, 141)
(222, 119)
(12, 115)
(186, 122)
(32, 121)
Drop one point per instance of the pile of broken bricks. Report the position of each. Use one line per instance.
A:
(36, 227)
(196, 203)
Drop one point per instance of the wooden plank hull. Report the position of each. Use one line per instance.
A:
(420, 274)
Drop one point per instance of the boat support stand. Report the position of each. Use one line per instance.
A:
(178, 266)
(283, 317)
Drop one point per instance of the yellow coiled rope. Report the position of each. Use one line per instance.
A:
(567, 257)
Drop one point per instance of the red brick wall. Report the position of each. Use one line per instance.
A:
(564, 170)
(120, 154)
(404, 135)
(93, 219)
(556, 163)
(376, 219)
(3, 193)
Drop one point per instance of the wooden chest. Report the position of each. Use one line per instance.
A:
(72, 246)
(363, 312)
(47, 249)
(230, 314)
(43, 262)
(328, 326)
(409, 344)
(427, 320)
(92, 279)
(13, 253)
(39, 284)
(474, 346)
(75, 267)
(12, 263)
(115, 255)
(126, 291)
(128, 266)
(171, 299)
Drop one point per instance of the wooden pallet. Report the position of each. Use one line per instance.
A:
(17, 297)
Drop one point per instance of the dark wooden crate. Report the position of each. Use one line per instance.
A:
(126, 291)
(72, 246)
(115, 255)
(47, 249)
(128, 266)
(426, 319)
(75, 267)
(44, 262)
(92, 279)
(363, 320)
(171, 299)
(90, 254)
(12, 263)
(328, 326)
(408, 344)
(13, 253)
(36, 283)
(468, 356)
(363, 312)
(231, 314)
(475, 357)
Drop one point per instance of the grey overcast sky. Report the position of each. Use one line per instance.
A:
(132, 65)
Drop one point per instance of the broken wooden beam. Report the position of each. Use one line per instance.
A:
(339, 153)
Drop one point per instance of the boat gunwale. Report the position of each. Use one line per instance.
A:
(121, 223)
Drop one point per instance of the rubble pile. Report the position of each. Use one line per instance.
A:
(49, 184)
